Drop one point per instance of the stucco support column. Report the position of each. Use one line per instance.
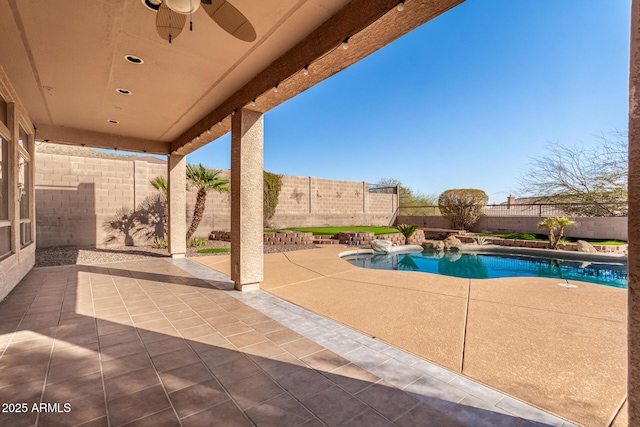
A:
(177, 181)
(634, 219)
(247, 146)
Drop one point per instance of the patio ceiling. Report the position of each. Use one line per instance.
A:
(66, 59)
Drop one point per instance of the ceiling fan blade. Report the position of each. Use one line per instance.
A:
(230, 19)
(169, 23)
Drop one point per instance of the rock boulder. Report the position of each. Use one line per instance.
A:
(381, 245)
(433, 244)
(452, 243)
(583, 246)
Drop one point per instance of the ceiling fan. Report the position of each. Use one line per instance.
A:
(172, 16)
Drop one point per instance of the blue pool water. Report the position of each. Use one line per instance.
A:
(490, 266)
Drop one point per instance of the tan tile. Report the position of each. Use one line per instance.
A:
(207, 342)
(188, 322)
(185, 376)
(166, 345)
(225, 414)
(352, 378)
(122, 365)
(131, 407)
(325, 360)
(197, 331)
(165, 418)
(174, 359)
(66, 391)
(246, 338)
(302, 347)
(254, 390)
(387, 399)
(140, 318)
(154, 325)
(282, 410)
(283, 336)
(263, 349)
(222, 320)
(426, 416)
(181, 314)
(83, 409)
(233, 328)
(127, 335)
(266, 327)
(198, 397)
(130, 382)
(235, 370)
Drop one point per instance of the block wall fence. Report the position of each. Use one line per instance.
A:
(86, 201)
(588, 227)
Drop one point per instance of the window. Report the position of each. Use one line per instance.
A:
(3, 111)
(24, 192)
(5, 225)
(22, 140)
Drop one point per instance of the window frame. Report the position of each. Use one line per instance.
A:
(25, 150)
(5, 134)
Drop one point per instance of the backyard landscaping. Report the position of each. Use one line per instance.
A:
(329, 231)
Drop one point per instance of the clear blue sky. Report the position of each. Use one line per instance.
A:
(466, 100)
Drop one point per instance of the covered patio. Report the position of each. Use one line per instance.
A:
(169, 342)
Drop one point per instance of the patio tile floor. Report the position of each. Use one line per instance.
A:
(165, 342)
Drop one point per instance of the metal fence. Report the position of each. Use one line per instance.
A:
(534, 210)
(383, 189)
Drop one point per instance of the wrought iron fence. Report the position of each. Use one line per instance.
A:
(534, 210)
(383, 189)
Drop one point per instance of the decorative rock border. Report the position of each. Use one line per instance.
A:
(279, 238)
(541, 245)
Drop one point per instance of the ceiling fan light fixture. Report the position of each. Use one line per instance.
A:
(183, 6)
(153, 5)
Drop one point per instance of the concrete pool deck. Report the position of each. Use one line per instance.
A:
(563, 350)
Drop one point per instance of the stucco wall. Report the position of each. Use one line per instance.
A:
(588, 228)
(84, 201)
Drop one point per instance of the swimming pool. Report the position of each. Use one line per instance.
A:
(494, 265)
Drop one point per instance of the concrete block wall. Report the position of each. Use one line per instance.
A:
(317, 202)
(85, 201)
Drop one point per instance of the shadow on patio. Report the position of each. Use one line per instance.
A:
(125, 344)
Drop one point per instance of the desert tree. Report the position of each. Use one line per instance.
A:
(595, 177)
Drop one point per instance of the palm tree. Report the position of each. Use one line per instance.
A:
(407, 231)
(556, 226)
(204, 180)
(160, 184)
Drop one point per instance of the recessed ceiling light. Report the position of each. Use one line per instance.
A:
(152, 4)
(123, 91)
(134, 59)
(115, 122)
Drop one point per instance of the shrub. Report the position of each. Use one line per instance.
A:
(407, 230)
(271, 193)
(556, 226)
(161, 243)
(462, 207)
(197, 241)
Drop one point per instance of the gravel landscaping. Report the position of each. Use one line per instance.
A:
(69, 255)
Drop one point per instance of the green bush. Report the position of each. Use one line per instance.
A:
(197, 241)
(271, 193)
(161, 243)
(462, 207)
(407, 230)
